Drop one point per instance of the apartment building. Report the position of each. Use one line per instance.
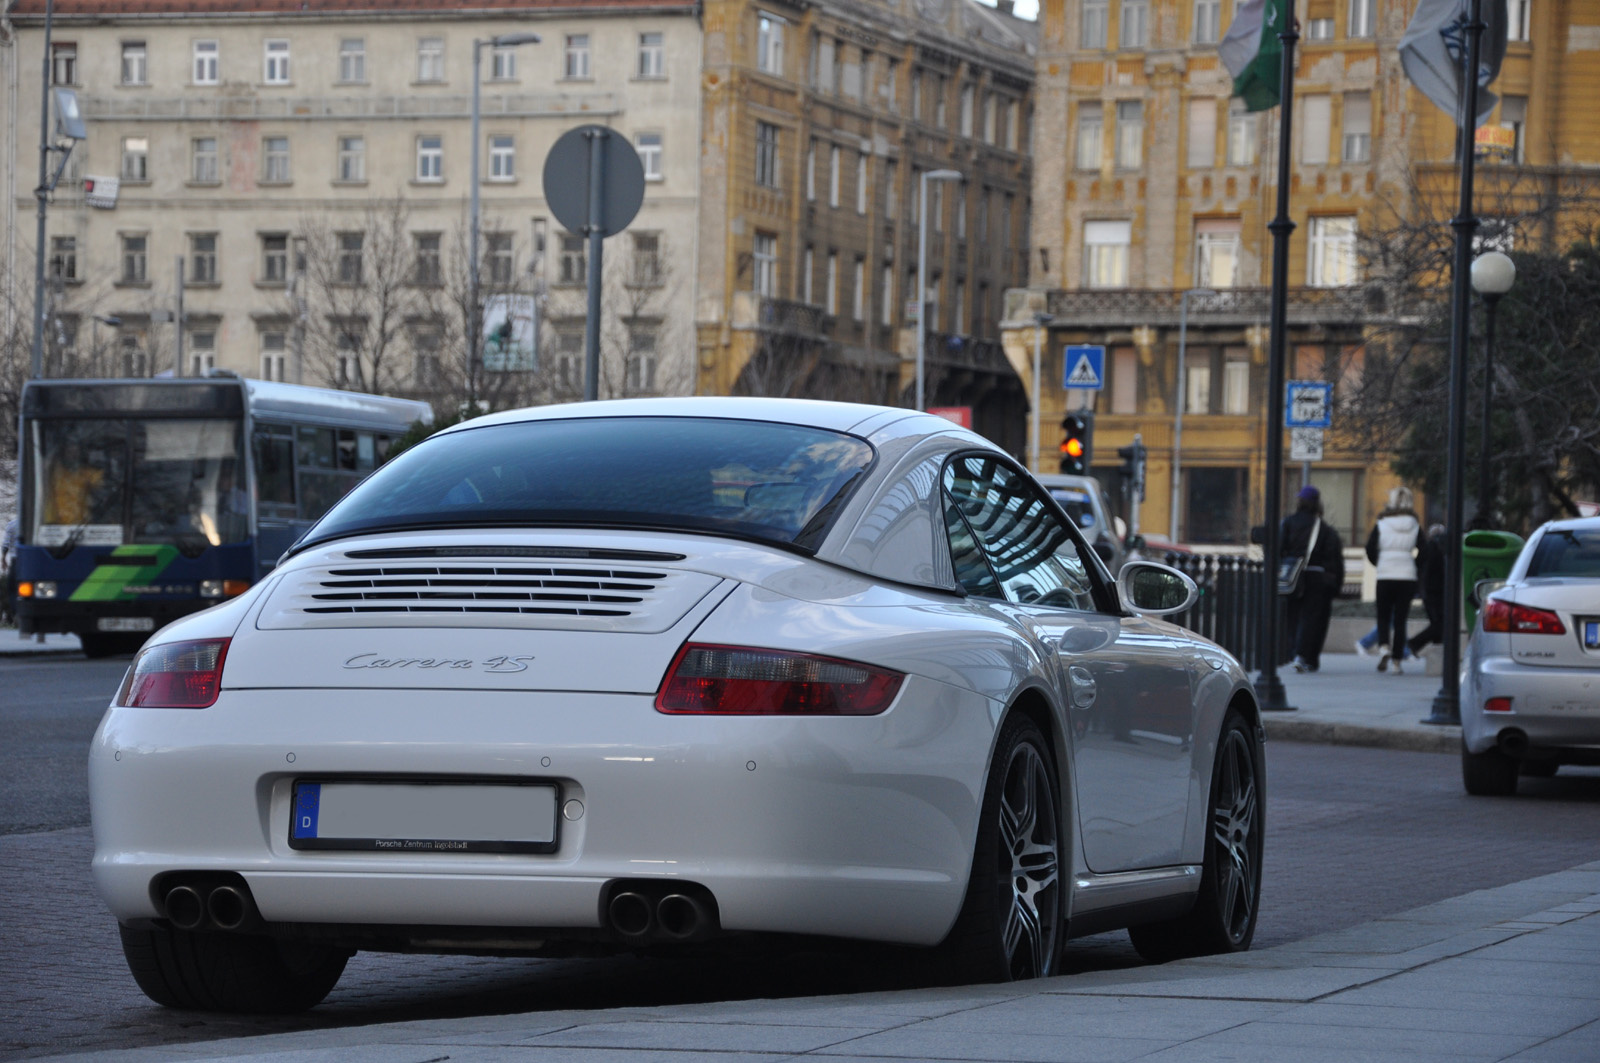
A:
(309, 166)
(820, 122)
(1151, 182)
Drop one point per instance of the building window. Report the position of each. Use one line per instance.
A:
(1132, 24)
(1361, 17)
(830, 290)
(1207, 19)
(348, 264)
(1090, 135)
(63, 63)
(1332, 254)
(891, 191)
(808, 266)
(646, 259)
(648, 145)
(1236, 382)
(276, 69)
(1319, 29)
(203, 258)
(1519, 18)
(767, 154)
(135, 63)
(503, 64)
(886, 295)
(275, 159)
(206, 56)
(574, 260)
(202, 351)
(861, 183)
(1357, 127)
(833, 175)
(427, 344)
(766, 264)
(858, 294)
(961, 211)
(430, 59)
(274, 258)
(352, 59)
(499, 258)
(640, 372)
(1316, 116)
(577, 55)
(966, 115)
(652, 56)
(1105, 245)
(1197, 383)
(352, 159)
(1241, 135)
(203, 160)
(430, 158)
(348, 351)
(1130, 134)
(1216, 244)
(502, 157)
(1514, 116)
(272, 356)
(811, 172)
(64, 257)
(1095, 17)
(429, 269)
(134, 248)
(891, 77)
(1202, 133)
(939, 94)
(769, 43)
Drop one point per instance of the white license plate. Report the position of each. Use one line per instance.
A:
(125, 623)
(424, 817)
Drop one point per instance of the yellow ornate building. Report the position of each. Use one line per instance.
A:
(1150, 182)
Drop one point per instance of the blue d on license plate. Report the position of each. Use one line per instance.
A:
(423, 817)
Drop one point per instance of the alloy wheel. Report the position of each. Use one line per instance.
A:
(1030, 864)
(1235, 822)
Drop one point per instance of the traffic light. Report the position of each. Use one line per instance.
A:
(1132, 470)
(1077, 443)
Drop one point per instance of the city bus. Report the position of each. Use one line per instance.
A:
(144, 500)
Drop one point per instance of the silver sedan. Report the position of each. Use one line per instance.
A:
(640, 674)
(1530, 696)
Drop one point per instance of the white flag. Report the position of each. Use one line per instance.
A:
(1434, 48)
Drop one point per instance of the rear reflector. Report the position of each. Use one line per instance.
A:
(740, 681)
(1497, 705)
(1509, 617)
(178, 675)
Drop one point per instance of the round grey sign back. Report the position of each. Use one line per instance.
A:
(567, 179)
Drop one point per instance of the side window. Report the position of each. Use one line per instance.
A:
(972, 571)
(274, 457)
(1036, 560)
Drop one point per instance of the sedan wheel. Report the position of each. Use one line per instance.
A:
(1010, 923)
(1224, 915)
(1488, 774)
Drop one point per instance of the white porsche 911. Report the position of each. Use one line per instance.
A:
(632, 674)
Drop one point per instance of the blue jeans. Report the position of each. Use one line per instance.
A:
(1369, 641)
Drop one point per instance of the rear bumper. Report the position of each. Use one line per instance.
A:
(1556, 708)
(851, 827)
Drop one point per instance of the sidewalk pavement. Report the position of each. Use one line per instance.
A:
(13, 644)
(1506, 974)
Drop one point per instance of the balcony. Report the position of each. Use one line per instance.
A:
(259, 107)
(1229, 307)
(781, 317)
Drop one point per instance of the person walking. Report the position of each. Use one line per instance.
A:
(1430, 576)
(1304, 533)
(1392, 548)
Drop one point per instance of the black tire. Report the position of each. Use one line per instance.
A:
(1223, 918)
(246, 973)
(99, 644)
(1538, 769)
(1488, 774)
(1010, 922)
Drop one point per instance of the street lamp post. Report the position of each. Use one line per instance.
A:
(1492, 276)
(1040, 320)
(922, 274)
(96, 320)
(475, 323)
(1177, 420)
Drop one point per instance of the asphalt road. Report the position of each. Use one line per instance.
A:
(1352, 835)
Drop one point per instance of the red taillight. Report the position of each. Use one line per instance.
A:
(178, 675)
(1509, 617)
(738, 680)
(1497, 705)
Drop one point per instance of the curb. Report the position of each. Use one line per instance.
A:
(1446, 739)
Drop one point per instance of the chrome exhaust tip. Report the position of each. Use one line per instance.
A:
(632, 915)
(186, 909)
(682, 916)
(228, 907)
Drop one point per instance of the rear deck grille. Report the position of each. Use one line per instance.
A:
(586, 590)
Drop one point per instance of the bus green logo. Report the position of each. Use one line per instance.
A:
(110, 580)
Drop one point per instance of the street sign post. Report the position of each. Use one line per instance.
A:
(1083, 368)
(1308, 404)
(1305, 444)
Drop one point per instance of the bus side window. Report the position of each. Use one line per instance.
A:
(274, 457)
(347, 449)
(366, 454)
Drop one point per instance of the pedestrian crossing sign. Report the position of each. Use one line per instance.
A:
(1084, 368)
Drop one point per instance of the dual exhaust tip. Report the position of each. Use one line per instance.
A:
(648, 913)
(193, 906)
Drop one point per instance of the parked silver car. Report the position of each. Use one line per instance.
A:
(1085, 502)
(1530, 697)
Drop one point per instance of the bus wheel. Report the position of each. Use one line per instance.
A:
(99, 644)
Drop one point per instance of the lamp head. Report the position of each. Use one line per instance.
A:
(69, 120)
(1493, 274)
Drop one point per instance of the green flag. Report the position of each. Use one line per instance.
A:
(1253, 53)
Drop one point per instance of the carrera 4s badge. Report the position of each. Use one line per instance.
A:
(492, 664)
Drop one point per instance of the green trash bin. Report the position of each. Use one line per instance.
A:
(1485, 555)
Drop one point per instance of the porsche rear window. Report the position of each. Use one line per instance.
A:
(1567, 552)
(777, 482)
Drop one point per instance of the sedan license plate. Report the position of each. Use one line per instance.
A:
(1591, 634)
(423, 817)
(125, 623)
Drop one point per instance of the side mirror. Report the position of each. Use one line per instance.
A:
(1155, 590)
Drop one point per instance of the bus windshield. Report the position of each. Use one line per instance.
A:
(110, 481)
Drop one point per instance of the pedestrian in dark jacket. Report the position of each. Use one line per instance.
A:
(1305, 534)
(1430, 575)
